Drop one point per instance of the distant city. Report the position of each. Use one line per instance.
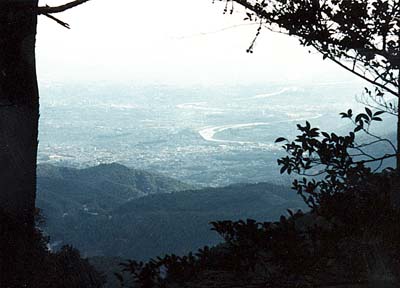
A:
(205, 136)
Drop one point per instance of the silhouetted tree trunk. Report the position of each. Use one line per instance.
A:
(19, 109)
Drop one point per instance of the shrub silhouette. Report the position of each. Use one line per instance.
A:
(342, 240)
(25, 260)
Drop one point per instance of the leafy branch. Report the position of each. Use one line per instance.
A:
(331, 158)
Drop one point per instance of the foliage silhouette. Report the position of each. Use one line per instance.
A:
(334, 244)
(337, 163)
(25, 260)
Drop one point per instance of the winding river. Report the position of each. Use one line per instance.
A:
(209, 133)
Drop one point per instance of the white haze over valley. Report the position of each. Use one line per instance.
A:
(168, 86)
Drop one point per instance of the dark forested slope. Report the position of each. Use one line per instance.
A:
(62, 190)
(99, 210)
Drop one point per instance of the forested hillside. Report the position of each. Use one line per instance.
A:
(113, 220)
(99, 189)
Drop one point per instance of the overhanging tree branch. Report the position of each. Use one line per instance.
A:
(318, 31)
(391, 91)
(51, 10)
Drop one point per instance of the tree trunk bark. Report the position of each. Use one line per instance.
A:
(19, 109)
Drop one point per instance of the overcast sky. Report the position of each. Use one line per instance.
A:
(170, 42)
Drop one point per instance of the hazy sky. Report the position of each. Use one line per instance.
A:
(169, 41)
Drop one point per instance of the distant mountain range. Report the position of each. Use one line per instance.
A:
(112, 210)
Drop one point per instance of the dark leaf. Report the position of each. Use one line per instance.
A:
(369, 112)
(358, 128)
(280, 139)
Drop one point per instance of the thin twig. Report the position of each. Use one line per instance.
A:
(375, 136)
(386, 156)
(66, 25)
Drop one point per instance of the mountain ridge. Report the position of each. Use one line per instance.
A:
(74, 188)
(102, 214)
